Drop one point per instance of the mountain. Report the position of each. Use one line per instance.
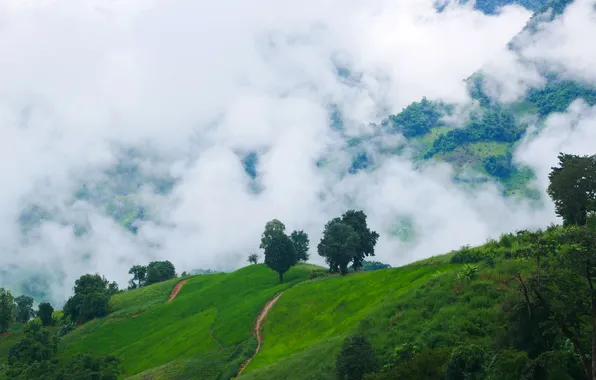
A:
(422, 319)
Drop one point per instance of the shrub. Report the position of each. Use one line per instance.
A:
(466, 363)
(356, 358)
(466, 255)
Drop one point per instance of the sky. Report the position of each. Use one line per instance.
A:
(193, 84)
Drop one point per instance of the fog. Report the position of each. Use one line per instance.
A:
(192, 86)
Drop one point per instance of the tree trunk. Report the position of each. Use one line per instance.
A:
(281, 277)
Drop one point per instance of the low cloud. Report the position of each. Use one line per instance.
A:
(193, 86)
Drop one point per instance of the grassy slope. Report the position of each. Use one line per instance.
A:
(212, 313)
(422, 301)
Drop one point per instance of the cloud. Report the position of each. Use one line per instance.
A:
(192, 86)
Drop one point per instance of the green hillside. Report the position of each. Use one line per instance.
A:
(211, 314)
(466, 298)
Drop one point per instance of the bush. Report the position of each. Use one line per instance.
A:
(356, 358)
(468, 272)
(466, 363)
(466, 255)
(317, 273)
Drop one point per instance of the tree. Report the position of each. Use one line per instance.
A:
(367, 238)
(92, 294)
(44, 312)
(24, 308)
(356, 358)
(569, 296)
(339, 245)
(7, 310)
(158, 271)
(301, 242)
(466, 363)
(34, 358)
(280, 254)
(139, 273)
(253, 258)
(272, 228)
(573, 188)
(30, 357)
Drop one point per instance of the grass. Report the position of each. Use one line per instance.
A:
(330, 307)
(210, 314)
(136, 301)
(422, 304)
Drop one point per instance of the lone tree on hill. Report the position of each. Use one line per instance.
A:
(24, 308)
(573, 188)
(339, 245)
(367, 239)
(280, 254)
(253, 258)
(7, 310)
(301, 242)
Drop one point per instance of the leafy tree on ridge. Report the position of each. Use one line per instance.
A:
(301, 242)
(253, 258)
(139, 273)
(573, 188)
(280, 254)
(339, 245)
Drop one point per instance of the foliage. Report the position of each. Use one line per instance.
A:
(158, 271)
(338, 246)
(356, 358)
(44, 312)
(416, 119)
(139, 273)
(24, 308)
(466, 362)
(34, 358)
(493, 125)
(367, 238)
(30, 358)
(85, 366)
(468, 272)
(500, 166)
(7, 310)
(280, 251)
(301, 242)
(374, 265)
(90, 300)
(253, 258)
(573, 188)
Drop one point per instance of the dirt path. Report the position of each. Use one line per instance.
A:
(260, 320)
(176, 290)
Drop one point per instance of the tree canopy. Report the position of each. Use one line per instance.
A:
(280, 253)
(7, 310)
(573, 188)
(301, 242)
(90, 300)
(24, 308)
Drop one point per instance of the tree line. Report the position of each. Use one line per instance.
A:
(346, 239)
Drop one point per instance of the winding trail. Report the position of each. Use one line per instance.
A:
(176, 290)
(260, 320)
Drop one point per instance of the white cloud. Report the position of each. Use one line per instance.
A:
(192, 83)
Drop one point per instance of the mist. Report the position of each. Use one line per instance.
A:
(186, 89)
